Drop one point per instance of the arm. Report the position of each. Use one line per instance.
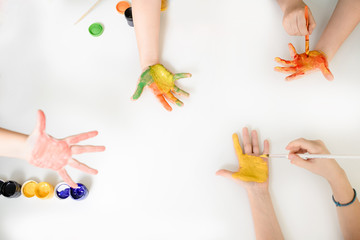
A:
(12, 144)
(263, 213)
(343, 21)
(349, 216)
(146, 14)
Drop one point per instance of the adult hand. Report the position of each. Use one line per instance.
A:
(253, 167)
(162, 82)
(303, 64)
(294, 21)
(48, 152)
(327, 168)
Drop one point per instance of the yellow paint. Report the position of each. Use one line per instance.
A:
(44, 190)
(29, 189)
(164, 5)
(251, 168)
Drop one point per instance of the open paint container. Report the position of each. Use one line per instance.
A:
(11, 189)
(28, 188)
(63, 191)
(44, 190)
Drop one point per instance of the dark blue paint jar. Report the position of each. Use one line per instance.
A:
(62, 190)
(1, 183)
(79, 193)
(128, 16)
(11, 189)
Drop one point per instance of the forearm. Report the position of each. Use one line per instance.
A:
(264, 217)
(12, 144)
(342, 22)
(146, 14)
(286, 3)
(349, 216)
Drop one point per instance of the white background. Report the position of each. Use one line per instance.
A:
(157, 178)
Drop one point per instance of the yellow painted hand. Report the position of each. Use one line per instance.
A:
(253, 167)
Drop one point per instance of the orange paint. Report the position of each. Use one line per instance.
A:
(251, 168)
(44, 190)
(122, 6)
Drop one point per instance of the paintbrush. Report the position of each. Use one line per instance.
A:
(90, 9)
(308, 156)
(307, 27)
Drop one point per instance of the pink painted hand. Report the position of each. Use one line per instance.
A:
(48, 152)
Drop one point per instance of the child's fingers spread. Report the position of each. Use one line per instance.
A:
(82, 167)
(75, 149)
(285, 69)
(255, 142)
(284, 62)
(80, 137)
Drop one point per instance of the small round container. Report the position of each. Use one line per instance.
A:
(62, 191)
(128, 16)
(79, 193)
(44, 190)
(11, 189)
(122, 6)
(1, 183)
(96, 29)
(28, 188)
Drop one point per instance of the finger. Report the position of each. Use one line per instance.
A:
(298, 161)
(292, 51)
(301, 25)
(285, 62)
(41, 121)
(65, 176)
(173, 99)
(160, 96)
(225, 173)
(246, 140)
(255, 142)
(80, 137)
(82, 167)
(181, 75)
(326, 72)
(145, 79)
(139, 90)
(312, 23)
(285, 69)
(180, 92)
(75, 149)
(300, 144)
(266, 147)
(237, 146)
(295, 76)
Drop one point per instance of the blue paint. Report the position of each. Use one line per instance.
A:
(11, 189)
(79, 193)
(63, 191)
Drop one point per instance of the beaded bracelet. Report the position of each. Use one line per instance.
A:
(346, 204)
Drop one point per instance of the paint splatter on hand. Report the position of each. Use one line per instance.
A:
(303, 64)
(162, 83)
(55, 154)
(253, 167)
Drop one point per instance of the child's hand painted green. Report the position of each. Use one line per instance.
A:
(162, 82)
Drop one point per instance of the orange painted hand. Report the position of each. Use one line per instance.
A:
(303, 64)
(48, 152)
(162, 82)
(253, 167)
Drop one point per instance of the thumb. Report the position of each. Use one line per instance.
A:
(225, 173)
(298, 161)
(41, 121)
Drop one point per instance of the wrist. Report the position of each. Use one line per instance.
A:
(257, 191)
(147, 63)
(289, 4)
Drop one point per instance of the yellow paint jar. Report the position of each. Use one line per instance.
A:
(44, 190)
(28, 188)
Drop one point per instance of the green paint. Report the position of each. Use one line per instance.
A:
(181, 75)
(96, 29)
(145, 79)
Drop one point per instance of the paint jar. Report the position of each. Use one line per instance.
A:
(1, 183)
(44, 190)
(79, 193)
(128, 16)
(62, 191)
(28, 188)
(11, 189)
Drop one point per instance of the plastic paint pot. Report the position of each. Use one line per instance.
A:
(44, 190)
(122, 6)
(1, 183)
(62, 191)
(128, 16)
(79, 193)
(28, 188)
(11, 189)
(96, 29)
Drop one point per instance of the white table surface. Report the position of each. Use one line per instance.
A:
(157, 178)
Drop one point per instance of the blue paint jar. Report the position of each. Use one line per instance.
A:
(62, 191)
(79, 193)
(11, 189)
